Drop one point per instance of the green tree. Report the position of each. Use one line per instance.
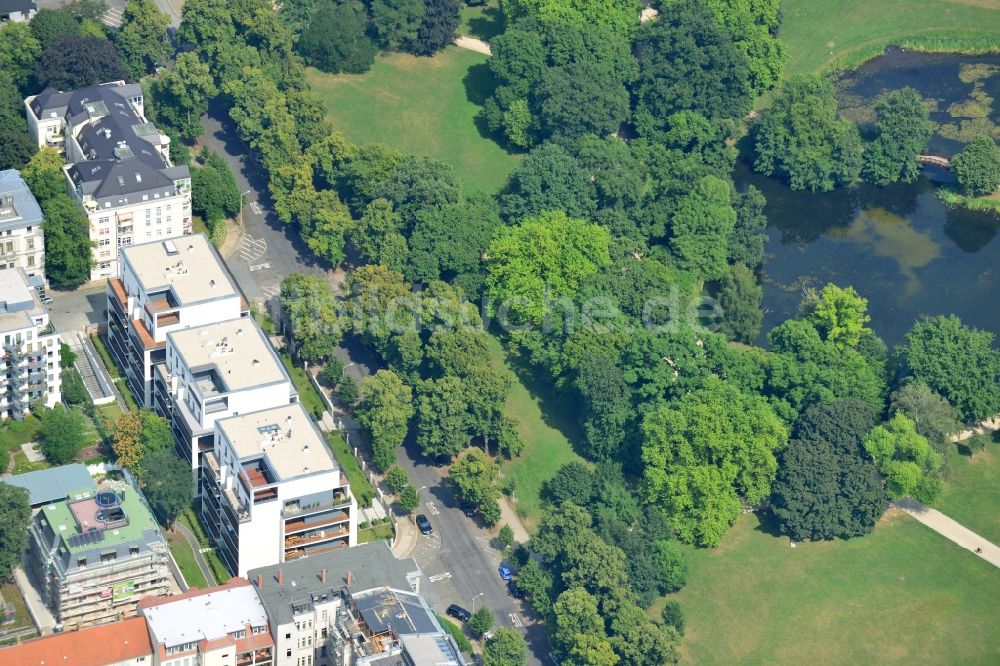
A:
(687, 62)
(619, 16)
(68, 257)
(706, 452)
(573, 482)
(907, 462)
(957, 362)
(545, 257)
(839, 315)
(312, 312)
(740, 297)
(753, 27)
(167, 484)
(903, 129)
(506, 647)
(673, 616)
(746, 245)
(215, 194)
(51, 24)
(537, 586)
(385, 414)
(801, 139)
(977, 167)
(826, 487)
(608, 401)
(409, 499)
(326, 228)
(19, 49)
(182, 92)
(44, 174)
(378, 235)
(396, 479)
(63, 432)
(347, 390)
(473, 476)
(506, 536)
(549, 179)
(336, 38)
(15, 524)
(333, 371)
(396, 22)
(87, 9)
(934, 417)
(448, 243)
(419, 183)
(438, 27)
(156, 434)
(142, 38)
(481, 622)
(442, 418)
(71, 62)
(701, 227)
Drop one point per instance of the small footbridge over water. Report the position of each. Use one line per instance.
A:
(934, 160)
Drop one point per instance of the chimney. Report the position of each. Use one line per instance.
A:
(350, 579)
(322, 575)
(260, 582)
(281, 576)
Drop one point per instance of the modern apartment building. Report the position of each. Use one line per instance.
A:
(118, 166)
(218, 626)
(17, 11)
(165, 286)
(22, 241)
(29, 366)
(124, 643)
(271, 490)
(358, 606)
(96, 554)
(212, 372)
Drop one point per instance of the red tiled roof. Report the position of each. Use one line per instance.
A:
(94, 646)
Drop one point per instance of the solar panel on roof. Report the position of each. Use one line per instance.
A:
(268, 429)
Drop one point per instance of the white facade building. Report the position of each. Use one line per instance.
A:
(165, 286)
(213, 372)
(22, 241)
(18, 11)
(118, 166)
(29, 367)
(272, 491)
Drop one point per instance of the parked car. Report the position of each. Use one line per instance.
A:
(424, 524)
(46, 300)
(514, 590)
(505, 572)
(459, 613)
(469, 510)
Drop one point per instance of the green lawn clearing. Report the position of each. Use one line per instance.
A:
(15, 433)
(12, 595)
(483, 22)
(844, 33)
(381, 532)
(544, 424)
(184, 557)
(972, 494)
(424, 106)
(308, 396)
(360, 487)
(902, 595)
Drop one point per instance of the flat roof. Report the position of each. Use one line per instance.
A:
(114, 643)
(64, 519)
(56, 483)
(206, 615)
(236, 349)
(285, 435)
(188, 266)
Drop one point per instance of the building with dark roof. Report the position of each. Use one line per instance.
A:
(17, 10)
(358, 606)
(118, 166)
(55, 484)
(22, 241)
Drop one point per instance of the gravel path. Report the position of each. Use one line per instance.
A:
(951, 530)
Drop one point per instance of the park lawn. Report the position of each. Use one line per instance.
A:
(483, 22)
(972, 493)
(15, 433)
(184, 557)
(12, 595)
(543, 424)
(820, 34)
(423, 106)
(902, 595)
(381, 532)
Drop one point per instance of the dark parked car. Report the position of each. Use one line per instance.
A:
(459, 613)
(514, 590)
(424, 524)
(469, 510)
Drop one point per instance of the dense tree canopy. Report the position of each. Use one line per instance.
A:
(934, 418)
(902, 131)
(977, 167)
(438, 27)
(549, 179)
(619, 16)
(71, 62)
(51, 24)
(705, 453)
(142, 38)
(15, 524)
(688, 62)
(907, 462)
(336, 38)
(181, 94)
(740, 297)
(396, 22)
(167, 484)
(68, 256)
(958, 363)
(753, 27)
(63, 431)
(839, 315)
(826, 486)
(385, 414)
(701, 227)
(312, 314)
(801, 139)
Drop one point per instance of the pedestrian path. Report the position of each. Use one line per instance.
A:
(473, 44)
(951, 530)
(199, 558)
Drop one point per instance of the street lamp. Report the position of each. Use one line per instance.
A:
(474, 601)
(242, 194)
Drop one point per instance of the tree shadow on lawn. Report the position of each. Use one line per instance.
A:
(487, 26)
(767, 523)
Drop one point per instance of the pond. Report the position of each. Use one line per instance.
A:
(899, 246)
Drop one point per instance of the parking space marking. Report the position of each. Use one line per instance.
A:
(433, 510)
(257, 267)
(251, 248)
(439, 577)
(515, 620)
(255, 207)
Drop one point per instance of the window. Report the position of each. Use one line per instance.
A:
(31, 241)
(103, 220)
(105, 264)
(81, 562)
(288, 652)
(31, 260)
(104, 241)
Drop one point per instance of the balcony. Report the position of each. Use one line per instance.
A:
(294, 526)
(292, 510)
(296, 541)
